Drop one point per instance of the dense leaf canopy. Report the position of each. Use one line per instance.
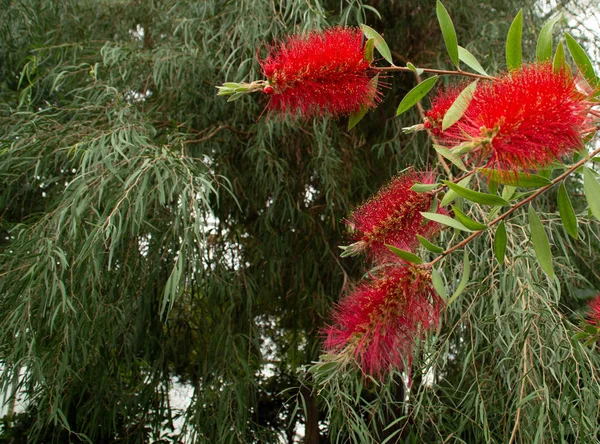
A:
(151, 231)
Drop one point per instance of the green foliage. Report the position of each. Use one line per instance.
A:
(152, 231)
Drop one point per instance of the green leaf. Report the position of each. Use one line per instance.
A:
(380, 44)
(582, 60)
(433, 207)
(459, 107)
(580, 335)
(566, 212)
(235, 96)
(373, 10)
(448, 154)
(438, 283)
(470, 60)
(414, 69)
(447, 31)
(357, 116)
(464, 279)
(416, 94)
(476, 196)
(467, 221)
(429, 246)
(500, 242)
(543, 49)
(424, 187)
(591, 188)
(405, 255)
(516, 179)
(445, 220)
(451, 195)
(558, 62)
(369, 47)
(508, 192)
(513, 43)
(541, 246)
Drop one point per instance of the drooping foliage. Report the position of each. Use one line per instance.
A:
(151, 231)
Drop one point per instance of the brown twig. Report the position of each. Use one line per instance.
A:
(458, 72)
(512, 209)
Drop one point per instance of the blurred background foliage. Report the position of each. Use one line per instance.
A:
(150, 232)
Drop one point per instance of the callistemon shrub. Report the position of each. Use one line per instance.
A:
(524, 120)
(393, 216)
(321, 73)
(378, 323)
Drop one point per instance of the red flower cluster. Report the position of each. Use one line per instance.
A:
(524, 120)
(378, 322)
(593, 314)
(393, 216)
(320, 73)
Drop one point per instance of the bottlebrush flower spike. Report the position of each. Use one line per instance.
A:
(524, 120)
(378, 323)
(593, 314)
(393, 216)
(322, 73)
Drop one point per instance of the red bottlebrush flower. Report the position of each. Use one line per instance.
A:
(378, 322)
(440, 104)
(593, 314)
(320, 73)
(393, 216)
(524, 120)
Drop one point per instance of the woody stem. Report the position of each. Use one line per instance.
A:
(432, 71)
(513, 209)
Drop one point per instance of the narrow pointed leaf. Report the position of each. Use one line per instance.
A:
(470, 60)
(460, 105)
(451, 195)
(405, 255)
(448, 32)
(357, 116)
(516, 179)
(380, 44)
(438, 283)
(500, 242)
(582, 60)
(558, 62)
(464, 280)
(414, 69)
(567, 214)
(543, 50)
(513, 43)
(416, 94)
(541, 246)
(433, 207)
(591, 188)
(476, 196)
(449, 155)
(429, 246)
(424, 187)
(508, 192)
(467, 221)
(445, 220)
(369, 49)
